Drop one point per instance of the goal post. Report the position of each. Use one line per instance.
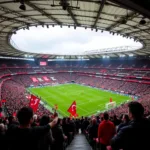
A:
(110, 105)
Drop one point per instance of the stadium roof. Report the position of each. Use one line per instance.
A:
(117, 16)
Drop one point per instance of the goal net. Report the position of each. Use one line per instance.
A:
(110, 105)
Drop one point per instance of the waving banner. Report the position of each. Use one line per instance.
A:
(72, 109)
(34, 102)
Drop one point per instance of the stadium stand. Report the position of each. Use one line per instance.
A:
(22, 77)
(123, 127)
(15, 80)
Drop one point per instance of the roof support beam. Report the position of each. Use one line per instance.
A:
(6, 26)
(4, 18)
(141, 30)
(72, 16)
(133, 27)
(42, 12)
(14, 20)
(130, 17)
(99, 12)
(17, 14)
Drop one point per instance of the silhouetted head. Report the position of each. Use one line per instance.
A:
(25, 116)
(136, 110)
(106, 116)
(44, 120)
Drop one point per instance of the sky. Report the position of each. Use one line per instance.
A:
(66, 41)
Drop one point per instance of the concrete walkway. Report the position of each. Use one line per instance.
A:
(79, 143)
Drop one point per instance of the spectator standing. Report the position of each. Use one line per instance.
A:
(136, 135)
(85, 124)
(59, 137)
(106, 131)
(116, 121)
(23, 137)
(46, 141)
(125, 122)
(92, 131)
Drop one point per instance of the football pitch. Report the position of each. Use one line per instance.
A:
(89, 100)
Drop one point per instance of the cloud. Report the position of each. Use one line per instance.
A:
(66, 41)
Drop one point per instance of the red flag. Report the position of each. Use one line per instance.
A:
(3, 101)
(72, 109)
(14, 114)
(110, 100)
(34, 102)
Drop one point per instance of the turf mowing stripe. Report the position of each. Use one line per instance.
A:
(89, 100)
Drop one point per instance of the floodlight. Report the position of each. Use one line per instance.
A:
(22, 7)
(142, 22)
(27, 27)
(124, 21)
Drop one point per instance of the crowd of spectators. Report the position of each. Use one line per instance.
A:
(104, 132)
(63, 130)
(14, 90)
(14, 94)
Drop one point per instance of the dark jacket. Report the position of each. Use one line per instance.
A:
(122, 125)
(93, 130)
(46, 141)
(25, 139)
(3, 142)
(135, 136)
(58, 136)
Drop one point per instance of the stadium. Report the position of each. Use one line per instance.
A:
(74, 74)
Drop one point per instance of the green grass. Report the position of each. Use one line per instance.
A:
(89, 100)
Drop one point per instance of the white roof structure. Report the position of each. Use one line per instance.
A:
(116, 16)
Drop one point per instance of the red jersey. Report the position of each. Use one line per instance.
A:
(106, 131)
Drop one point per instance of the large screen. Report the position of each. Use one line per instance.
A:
(43, 63)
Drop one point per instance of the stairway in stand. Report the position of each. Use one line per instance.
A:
(79, 143)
